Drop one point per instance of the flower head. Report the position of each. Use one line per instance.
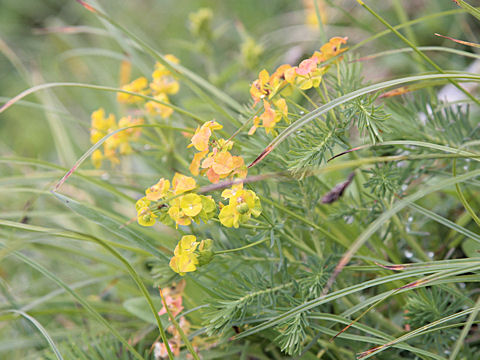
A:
(220, 164)
(271, 116)
(188, 252)
(200, 140)
(241, 206)
(185, 260)
(158, 191)
(182, 183)
(331, 49)
(145, 216)
(260, 87)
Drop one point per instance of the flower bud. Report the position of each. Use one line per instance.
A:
(243, 208)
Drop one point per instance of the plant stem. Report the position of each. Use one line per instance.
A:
(240, 248)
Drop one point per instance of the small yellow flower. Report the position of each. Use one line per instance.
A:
(201, 138)
(191, 204)
(145, 216)
(185, 260)
(184, 263)
(330, 49)
(139, 86)
(182, 183)
(255, 126)
(189, 253)
(260, 87)
(177, 215)
(229, 193)
(191, 207)
(241, 206)
(270, 117)
(158, 191)
(187, 244)
(278, 78)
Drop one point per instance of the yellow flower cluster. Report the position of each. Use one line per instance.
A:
(190, 253)
(162, 85)
(306, 75)
(218, 163)
(242, 204)
(182, 209)
(117, 144)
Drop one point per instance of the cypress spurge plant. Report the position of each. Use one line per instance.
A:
(253, 208)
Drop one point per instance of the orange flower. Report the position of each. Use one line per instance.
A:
(255, 126)
(202, 135)
(260, 88)
(195, 165)
(220, 164)
(270, 116)
(307, 66)
(278, 78)
(331, 49)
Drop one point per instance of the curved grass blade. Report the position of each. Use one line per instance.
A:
(345, 98)
(107, 222)
(412, 334)
(428, 145)
(422, 48)
(40, 163)
(40, 328)
(97, 145)
(36, 88)
(376, 336)
(373, 227)
(446, 222)
(469, 8)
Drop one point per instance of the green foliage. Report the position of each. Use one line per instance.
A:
(431, 304)
(388, 265)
